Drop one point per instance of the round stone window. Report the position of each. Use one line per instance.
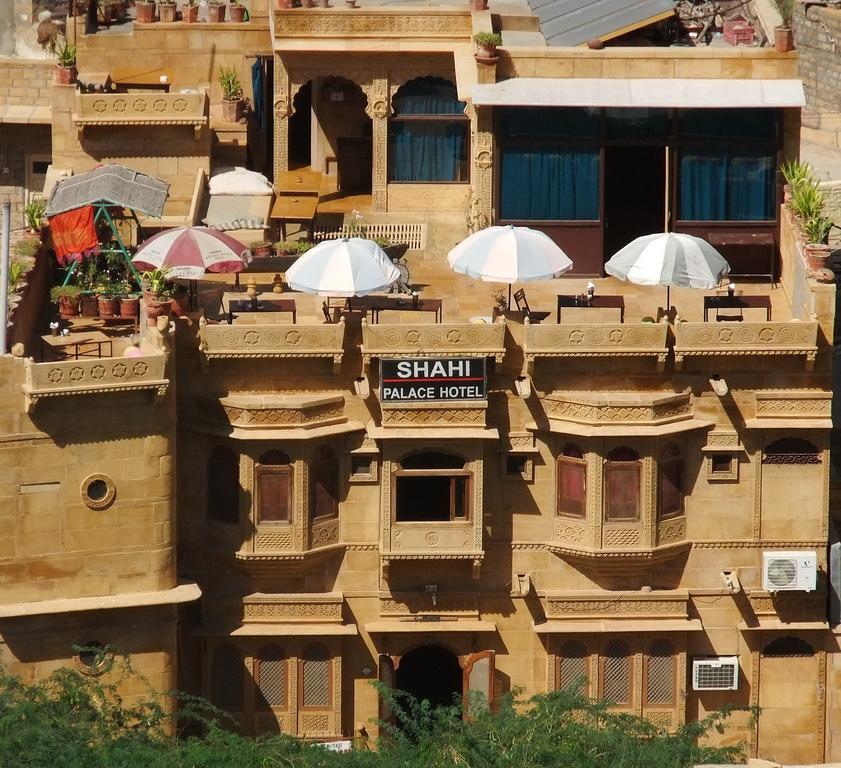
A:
(93, 658)
(98, 491)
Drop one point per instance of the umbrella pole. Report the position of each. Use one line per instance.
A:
(509, 295)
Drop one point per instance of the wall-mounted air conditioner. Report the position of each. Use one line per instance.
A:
(789, 571)
(715, 673)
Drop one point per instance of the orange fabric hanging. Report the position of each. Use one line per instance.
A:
(73, 234)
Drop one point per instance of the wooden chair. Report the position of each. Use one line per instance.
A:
(328, 316)
(523, 306)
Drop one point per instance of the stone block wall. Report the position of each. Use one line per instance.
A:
(818, 40)
(16, 141)
(25, 82)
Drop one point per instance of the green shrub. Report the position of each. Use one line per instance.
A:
(786, 9)
(796, 173)
(817, 229)
(230, 84)
(807, 201)
(26, 248)
(33, 213)
(66, 54)
(64, 292)
(487, 39)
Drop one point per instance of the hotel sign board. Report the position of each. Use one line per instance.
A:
(433, 379)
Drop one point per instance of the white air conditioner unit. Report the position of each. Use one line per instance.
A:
(789, 571)
(715, 673)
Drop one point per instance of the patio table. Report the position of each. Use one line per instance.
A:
(262, 305)
(597, 302)
(737, 302)
(71, 344)
(377, 304)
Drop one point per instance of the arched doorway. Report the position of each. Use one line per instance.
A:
(432, 673)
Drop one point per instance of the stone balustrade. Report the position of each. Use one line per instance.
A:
(275, 341)
(456, 339)
(442, 23)
(792, 338)
(596, 340)
(93, 376)
(154, 108)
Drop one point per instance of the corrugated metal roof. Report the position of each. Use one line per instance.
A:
(573, 22)
(113, 184)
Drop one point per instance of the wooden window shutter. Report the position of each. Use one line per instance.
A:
(622, 490)
(572, 486)
(274, 486)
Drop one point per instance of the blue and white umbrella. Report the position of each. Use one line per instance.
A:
(343, 267)
(509, 255)
(668, 258)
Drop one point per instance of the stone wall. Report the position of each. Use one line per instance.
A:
(25, 82)
(16, 141)
(818, 40)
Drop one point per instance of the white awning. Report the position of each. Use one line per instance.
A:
(653, 92)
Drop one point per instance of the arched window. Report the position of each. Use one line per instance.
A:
(788, 646)
(791, 450)
(273, 481)
(271, 677)
(432, 486)
(660, 673)
(227, 679)
(223, 485)
(571, 479)
(428, 133)
(670, 489)
(622, 484)
(316, 689)
(324, 484)
(572, 666)
(616, 673)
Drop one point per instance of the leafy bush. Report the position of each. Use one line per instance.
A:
(786, 9)
(230, 84)
(58, 292)
(33, 213)
(66, 54)
(796, 173)
(817, 229)
(25, 248)
(487, 39)
(807, 201)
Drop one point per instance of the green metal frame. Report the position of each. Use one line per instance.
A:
(101, 211)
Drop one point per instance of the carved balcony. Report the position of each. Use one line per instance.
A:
(595, 341)
(437, 24)
(439, 340)
(793, 338)
(227, 342)
(93, 376)
(128, 109)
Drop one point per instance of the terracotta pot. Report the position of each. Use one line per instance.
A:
(65, 75)
(784, 39)
(129, 307)
(478, 5)
(231, 110)
(107, 306)
(189, 14)
(180, 305)
(324, 3)
(308, 3)
(167, 12)
(145, 13)
(215, 13)
(90, 305)
(236, 13)
(157, 308)
(263, 252)
(816, 255)
(486, 52)
(68, 307)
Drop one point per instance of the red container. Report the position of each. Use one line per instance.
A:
(738, 31)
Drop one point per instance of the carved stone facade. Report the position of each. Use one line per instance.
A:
(127, 109)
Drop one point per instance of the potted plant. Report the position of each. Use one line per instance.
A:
(816, 249)
(67, 298)
(807, 200)
(478, 5)
(231, 95)
(500, 303)
(144, 11)
(190, 12)
(216, 11)
(261, 249)
(129, 305)
(784, 34)
(33, 213)
(486, 43)
(106, 297)
(157, 293)
(236, 12)
(65, 73)
(180, 301)
(166, 10)
(796, 174)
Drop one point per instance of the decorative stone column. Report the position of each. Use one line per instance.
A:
(281, 106)
(480, 213)
(379, 109)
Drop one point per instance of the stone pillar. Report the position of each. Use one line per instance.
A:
(480, 213)
(281, 106)
(378, 110)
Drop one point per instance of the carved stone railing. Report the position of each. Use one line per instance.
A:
(792, 338)
(440, 23)
(93, 376)
(598, 340)
(154, 108)
(650, 408)
(598, 605)
(275, 341)
(405, 604)
(295, 608)
(439, 340)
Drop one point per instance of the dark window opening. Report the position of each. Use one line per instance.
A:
(360, 466)
(572, 482)
(325, 483)
(671, 482)
(223, 485)
(515, 465)
(432, 487)
(721, 463)
(97, 490)
(791, 450)
(622, 484)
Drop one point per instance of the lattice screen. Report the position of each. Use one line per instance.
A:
(660, 677)
(616, 673)
(572, 665)
(271, 676)
(315, 670)
(228, 678)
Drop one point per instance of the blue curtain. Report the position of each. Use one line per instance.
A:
(549, 184)
(257, 91)
(721, 184)
(427, 151)
(428, 96)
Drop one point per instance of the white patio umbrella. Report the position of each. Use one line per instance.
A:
(510, 255)
(189, 252)
(668, 258)
(348, 266)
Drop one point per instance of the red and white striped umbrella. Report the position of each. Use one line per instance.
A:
(189, 252)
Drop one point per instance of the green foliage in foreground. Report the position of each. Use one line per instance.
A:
(74, 721)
